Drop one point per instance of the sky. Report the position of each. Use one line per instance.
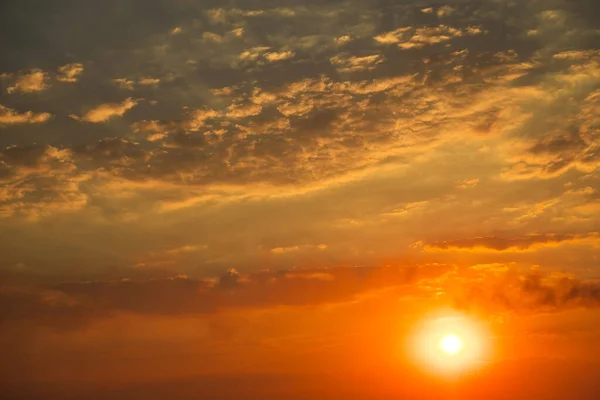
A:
(261, 199)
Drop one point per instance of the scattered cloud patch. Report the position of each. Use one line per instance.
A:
(31, 81)
(105, 112)
(9, 116)
(69, 73)
(469, 183)
(445, 11)
(416, 38)
(149, 81)
(279, 56)
(285, 250)
(346, 63)
(124, 83)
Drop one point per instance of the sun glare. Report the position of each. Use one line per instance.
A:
(449, 344)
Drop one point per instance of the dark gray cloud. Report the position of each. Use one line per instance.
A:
(71, 304)
(532, 292)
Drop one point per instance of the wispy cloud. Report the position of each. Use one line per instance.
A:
(500, 244)
(70, 73)
(414, 38)
(105, 112)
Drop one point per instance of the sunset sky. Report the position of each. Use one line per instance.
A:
(263, 199)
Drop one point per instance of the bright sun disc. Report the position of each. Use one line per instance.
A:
(449, 344)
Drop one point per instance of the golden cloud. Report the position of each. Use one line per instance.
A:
(104, 112)
(8, 116)
(345, 63)
(31, 81)
(149, 81)
(410, 38)
(124, 83)
(70, 72)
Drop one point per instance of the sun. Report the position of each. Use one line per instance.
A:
(451, 344)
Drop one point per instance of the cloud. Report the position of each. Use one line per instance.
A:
(561, 138)
(500, 244)
(129, 84)
(415, 38)
(576, 54)
(469, 183)
(124, 83)
(279, 56)
(445, 11)
(149, 81)
(345, 63)
(154, 130)
(116, 151)
(31, 81)
(495, 288)
(297, 125)
(297, 248)
(105, 112)
(323, 128)
(185, 249)
(392, 37)
(534, 291)
(38, 181)
(261, 55)
(70, 73)
(237, 111)
(284, 250)
(8, 116)
(70, 304)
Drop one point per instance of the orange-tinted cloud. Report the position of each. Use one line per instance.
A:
(70, 73)
(105, 112)
(73, 303)
(346, 63)
(9, 116)
(31, 81)
(410, 38)
(38, 181)
(500, 291)
(500, 244)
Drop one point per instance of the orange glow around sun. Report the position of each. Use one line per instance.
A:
(449, 344)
